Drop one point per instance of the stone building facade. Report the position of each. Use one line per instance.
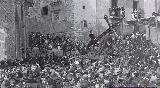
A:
(67, 16)
(147, 7)
(7, 29)
(44, 16)
(84, 18)
(57, 19)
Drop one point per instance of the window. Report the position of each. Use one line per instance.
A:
(84, 7)
(2, 36)
(135, 5)
(114, 3)
(85, 23)
(2, 45)
(45, 10)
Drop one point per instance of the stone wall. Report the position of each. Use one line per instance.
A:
(7, 20)
(49, 24)
(101, 10)
(80, 14)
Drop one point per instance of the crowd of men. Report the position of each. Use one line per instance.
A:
(136, 64)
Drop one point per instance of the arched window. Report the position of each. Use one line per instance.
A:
(45, 10)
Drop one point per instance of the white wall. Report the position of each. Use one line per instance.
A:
(81, 14)
(2, 44)
(158, 5)
(149, 7)
(128, 5)
(102, 8)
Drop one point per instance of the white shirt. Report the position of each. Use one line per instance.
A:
(153, 78)
(97, 86)
(158, 18)
(133, 17)
(3, 84)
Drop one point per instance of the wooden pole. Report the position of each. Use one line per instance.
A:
(156, 21)
(17, 29)
(149, 32)
(16, 19)
(25, 34)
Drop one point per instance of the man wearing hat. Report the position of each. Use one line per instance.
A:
(92, 42)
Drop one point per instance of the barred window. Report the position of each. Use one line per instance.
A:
(135, 5)
(114, 3)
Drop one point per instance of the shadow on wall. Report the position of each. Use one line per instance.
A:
(101, 26)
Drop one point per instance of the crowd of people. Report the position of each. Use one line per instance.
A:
(43, 41)
(134, 63)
